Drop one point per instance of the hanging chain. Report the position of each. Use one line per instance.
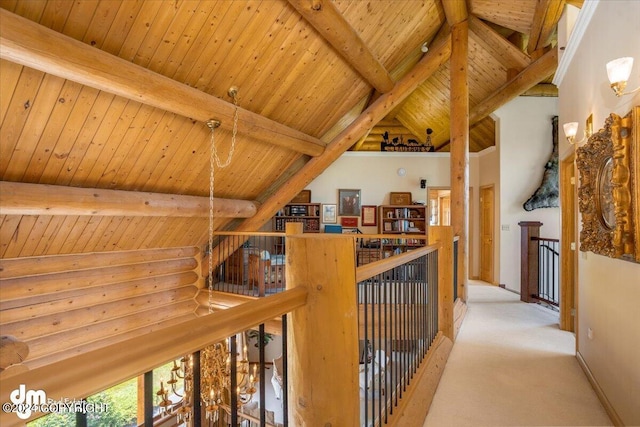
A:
(232, 92)
(213, 161)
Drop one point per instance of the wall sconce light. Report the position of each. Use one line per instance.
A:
(618, 72)
(571, 130)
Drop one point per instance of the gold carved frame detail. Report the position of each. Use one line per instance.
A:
(609, 190)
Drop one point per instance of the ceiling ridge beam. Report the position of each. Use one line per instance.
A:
(455, 11)
(333, 27)
(18, 198)
(545, 19)
(30, 44)
(497, 45)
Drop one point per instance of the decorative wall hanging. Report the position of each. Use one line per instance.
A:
(546, 196)
(609, 189)
(348, 202)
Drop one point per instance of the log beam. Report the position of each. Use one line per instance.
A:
(17, 198)
(498, 46)
(455, 11)
(545, 19)
(437, 56)
(459, 108)
(329, 22)
(27, 43)
(526, 79)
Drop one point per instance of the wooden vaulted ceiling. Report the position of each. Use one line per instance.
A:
(104, 143)
(122, 100)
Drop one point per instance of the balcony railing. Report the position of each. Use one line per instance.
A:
(398, 321)
(539, 266)
(395, 314)
(548, 271)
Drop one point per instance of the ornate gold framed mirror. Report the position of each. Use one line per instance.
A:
(609, 190)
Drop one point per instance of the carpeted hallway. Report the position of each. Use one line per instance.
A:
(512, 366)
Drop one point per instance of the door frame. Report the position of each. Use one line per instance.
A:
(568, 236)
(493, 231)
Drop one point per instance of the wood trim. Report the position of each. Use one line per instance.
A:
(333, 27)
(88, 373)
(19, 198)
(459, 313)
(608, 407)
(25, 42)
(568, 234)
(416, 401)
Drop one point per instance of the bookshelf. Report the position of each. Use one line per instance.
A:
(306, 213)
(404, 221)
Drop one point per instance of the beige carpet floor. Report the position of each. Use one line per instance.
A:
(511, 365)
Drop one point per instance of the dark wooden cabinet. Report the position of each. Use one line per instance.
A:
(306, 213)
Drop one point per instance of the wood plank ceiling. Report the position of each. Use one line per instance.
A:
(60, 131)
(104, 146)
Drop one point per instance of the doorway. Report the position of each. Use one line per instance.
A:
(439, 205)
(487, 224)
(568, 253)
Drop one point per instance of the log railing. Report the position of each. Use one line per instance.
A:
(321, 307)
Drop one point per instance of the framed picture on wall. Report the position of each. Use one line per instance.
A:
(400, 198)
(329, 214)
(348, 202)
(369, 216)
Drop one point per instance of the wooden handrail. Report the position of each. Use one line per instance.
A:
(88, 373)
(369, 270)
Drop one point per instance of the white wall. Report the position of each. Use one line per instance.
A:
(608, 289)
(375, 174)
(525, 147)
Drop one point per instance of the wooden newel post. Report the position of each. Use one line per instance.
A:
(323, 335)
(444, 236)
(528, 259)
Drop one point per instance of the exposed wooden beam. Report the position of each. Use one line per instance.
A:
(329, 22)
(27, 43)
(459, 160)
(17, 198)
(545, 19)
(455, 11)
(498, 46)
(526, 79)
(542, 89)
(436, 57)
